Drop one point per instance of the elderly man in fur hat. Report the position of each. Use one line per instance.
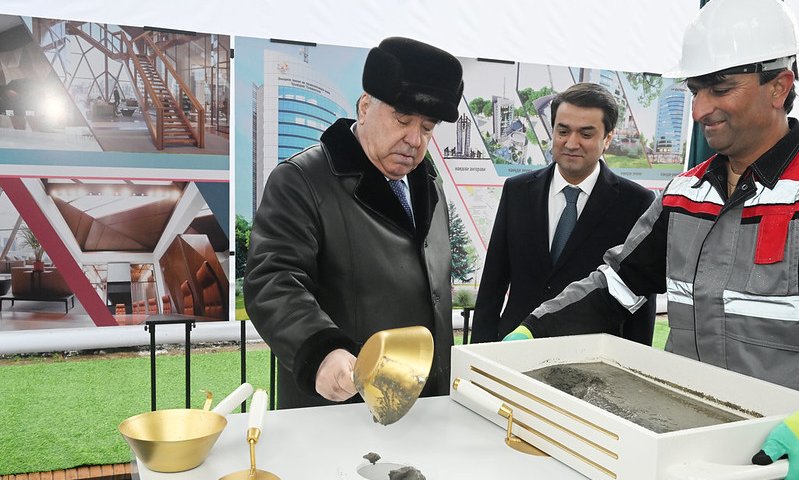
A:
(351, 236)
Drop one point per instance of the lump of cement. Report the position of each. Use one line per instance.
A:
(372, 457)
(406, 473)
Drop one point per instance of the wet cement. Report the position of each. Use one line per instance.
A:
(402, 473)
(406, 473)
(631, 397)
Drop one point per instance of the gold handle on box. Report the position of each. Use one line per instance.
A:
(490, 403)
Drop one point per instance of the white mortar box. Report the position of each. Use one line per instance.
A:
(604, 446)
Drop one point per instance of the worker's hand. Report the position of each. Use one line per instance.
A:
(334, 377)
(519, 333)
(783, 441)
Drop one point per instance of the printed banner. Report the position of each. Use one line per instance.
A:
(114, 196)
(287, 94)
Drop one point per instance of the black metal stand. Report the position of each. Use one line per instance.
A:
(150, 326)
(272, 368)
(244, 360)
(272, 375)
(466, 313)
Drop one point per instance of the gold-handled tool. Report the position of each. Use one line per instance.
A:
(490, 403)
(209, 399)
(254, 425)
(392, 369)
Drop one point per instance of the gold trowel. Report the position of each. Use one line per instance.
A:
(255, 423)
(391, 370)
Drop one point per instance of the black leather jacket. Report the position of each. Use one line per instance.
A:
(333, 259)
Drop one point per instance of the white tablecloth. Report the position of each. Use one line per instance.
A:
(441, 438)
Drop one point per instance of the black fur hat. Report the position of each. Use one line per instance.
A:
(414, 77)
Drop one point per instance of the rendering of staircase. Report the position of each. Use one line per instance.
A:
(105, 44)
(163, 113)
(175, 126)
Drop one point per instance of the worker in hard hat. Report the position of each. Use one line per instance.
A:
(723, 238)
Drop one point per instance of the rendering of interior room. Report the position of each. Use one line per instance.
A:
(82, 252)
(74, 85)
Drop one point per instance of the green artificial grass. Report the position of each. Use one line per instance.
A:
(62, 414)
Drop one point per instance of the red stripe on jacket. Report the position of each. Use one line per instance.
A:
(772, 233)
(685, 203)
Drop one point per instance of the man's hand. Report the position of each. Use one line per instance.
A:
(334, 377)
(519, 333)
(783, 441)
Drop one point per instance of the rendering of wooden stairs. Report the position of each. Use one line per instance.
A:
(105, 44)
(169, 125)
(176, 128)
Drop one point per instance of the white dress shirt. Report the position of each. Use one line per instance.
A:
(557, 200)
(404, 179)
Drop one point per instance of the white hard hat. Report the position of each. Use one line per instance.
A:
(732, 33)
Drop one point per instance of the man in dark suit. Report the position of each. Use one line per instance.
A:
(548, 234)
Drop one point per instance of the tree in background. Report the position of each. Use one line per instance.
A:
(649, 87)
(528, 96)
(480, 105)
(463, 254)
(243, 228)
(492, 146)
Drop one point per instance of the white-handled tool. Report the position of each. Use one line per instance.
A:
(257, 410)
(479, 397)
(255, 422)
(237, 396)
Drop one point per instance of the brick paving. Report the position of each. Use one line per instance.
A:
(120, 471)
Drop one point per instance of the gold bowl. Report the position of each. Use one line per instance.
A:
(172, 440)
(392, 369)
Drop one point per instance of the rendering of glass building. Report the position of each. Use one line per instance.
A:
(297, 105)
(670, 129)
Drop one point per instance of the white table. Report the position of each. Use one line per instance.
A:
(441, 438)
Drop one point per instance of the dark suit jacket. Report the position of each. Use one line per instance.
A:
(518, 254)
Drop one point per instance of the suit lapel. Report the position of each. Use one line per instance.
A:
(423, 195)
(347, 158)
(538, 228)
(604, 194)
